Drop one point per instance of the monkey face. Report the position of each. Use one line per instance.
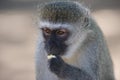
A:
(55, 40)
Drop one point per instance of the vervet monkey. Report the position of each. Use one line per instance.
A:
(77, 45)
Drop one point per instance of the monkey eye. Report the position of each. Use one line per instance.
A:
(46, 31)
(61, 32)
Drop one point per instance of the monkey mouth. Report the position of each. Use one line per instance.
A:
(56, 52)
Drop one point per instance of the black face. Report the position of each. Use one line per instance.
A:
(55, 40)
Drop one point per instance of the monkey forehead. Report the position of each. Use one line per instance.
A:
(50, 25)
(62, 12)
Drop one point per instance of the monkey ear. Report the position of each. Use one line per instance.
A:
(86, 17)
(84, 21)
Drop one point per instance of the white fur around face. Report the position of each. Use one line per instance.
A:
(76, 37)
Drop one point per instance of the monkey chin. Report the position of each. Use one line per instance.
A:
(51, 56)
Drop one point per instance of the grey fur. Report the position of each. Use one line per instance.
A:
(87, 57)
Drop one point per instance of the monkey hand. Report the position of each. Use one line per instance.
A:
(56, 65)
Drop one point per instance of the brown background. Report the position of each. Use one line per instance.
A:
(18, 35)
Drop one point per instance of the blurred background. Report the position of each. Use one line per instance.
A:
(18, 35)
